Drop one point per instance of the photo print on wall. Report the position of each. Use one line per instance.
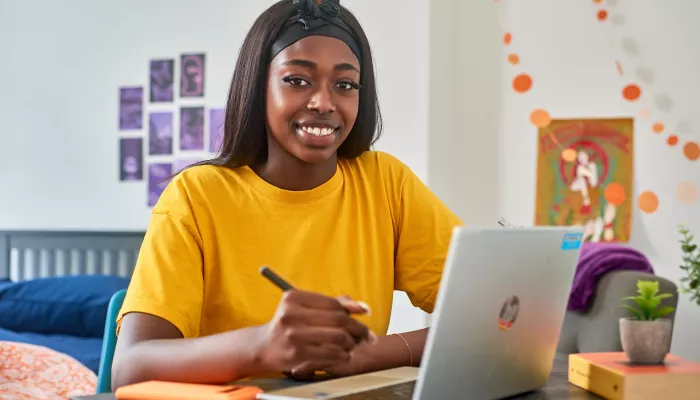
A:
(131, 159)
(130, 108)
(192, 128)
(216, 128)
(162, 81)
(160, 133)
(192, 75)
(200, 130)
(158, 175)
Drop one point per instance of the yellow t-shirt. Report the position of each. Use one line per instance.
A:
(372, 228)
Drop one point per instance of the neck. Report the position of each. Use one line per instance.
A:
(289, 173)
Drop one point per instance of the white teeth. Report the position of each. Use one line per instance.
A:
(317, 131)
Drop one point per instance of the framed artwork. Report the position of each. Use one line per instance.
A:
(585, 176)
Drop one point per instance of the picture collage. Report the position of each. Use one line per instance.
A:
(164, 128)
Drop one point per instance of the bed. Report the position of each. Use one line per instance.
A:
(55, 287)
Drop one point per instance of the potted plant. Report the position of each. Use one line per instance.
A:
(646, 336)
(690, 284)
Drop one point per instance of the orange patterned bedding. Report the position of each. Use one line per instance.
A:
(39, 373)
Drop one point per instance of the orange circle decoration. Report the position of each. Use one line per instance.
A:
(691, 151)
(569, 155)
(648, 202)
(631, 92)
(513, 59)
(602, 15)
(658, 127)
(522, 83)
(687, 193)
(540, 118)
(672, 140)
(507, 38)
(615, 194)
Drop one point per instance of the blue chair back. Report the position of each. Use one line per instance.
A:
(109, 343)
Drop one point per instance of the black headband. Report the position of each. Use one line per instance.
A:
(315, 17)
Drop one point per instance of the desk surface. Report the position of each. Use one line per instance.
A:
(558, 386)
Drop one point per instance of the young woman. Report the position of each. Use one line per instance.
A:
(297, 188)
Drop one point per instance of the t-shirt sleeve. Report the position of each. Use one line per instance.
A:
(168, 281)
(424, 231)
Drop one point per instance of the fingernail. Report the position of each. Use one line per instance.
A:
(365, 306)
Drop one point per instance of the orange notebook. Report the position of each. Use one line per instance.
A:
(611, 376)
(158, 390)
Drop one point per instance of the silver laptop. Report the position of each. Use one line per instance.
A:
(496, 325)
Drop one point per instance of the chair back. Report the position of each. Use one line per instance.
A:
(109, 343)
(597, 329)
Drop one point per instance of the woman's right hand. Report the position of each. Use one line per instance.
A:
(312, 328)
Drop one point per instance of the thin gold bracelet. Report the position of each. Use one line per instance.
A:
(410, 353)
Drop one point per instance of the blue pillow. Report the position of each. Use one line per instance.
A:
(70, 305)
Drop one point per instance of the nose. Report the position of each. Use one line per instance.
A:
(322, 100)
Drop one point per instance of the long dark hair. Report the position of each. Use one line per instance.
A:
(245, 132)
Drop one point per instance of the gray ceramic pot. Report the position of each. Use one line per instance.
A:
(646, 342)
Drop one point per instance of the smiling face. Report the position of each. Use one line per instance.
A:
(312, 99)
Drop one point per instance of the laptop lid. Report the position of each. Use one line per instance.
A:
(499, 312)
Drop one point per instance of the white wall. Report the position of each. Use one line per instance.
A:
(63, 63)
(465, 105)
(568, 53)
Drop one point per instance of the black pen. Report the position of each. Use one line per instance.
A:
(275, 279)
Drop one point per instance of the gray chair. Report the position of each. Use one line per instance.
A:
(597, 328)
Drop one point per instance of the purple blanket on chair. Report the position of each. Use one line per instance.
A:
(596, 260)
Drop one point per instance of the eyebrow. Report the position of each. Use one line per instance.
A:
(313, 65)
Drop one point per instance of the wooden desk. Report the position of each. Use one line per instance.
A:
(558, 386)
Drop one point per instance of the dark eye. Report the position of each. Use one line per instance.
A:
(348, 85)
(295, 81)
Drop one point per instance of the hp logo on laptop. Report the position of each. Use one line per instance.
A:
(509, 313)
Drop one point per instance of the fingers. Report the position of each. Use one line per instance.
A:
(340, 323)
(354, 306)
(313, 309)
(311, 300)
(306, 371)
(339, 320)
(314, 354)
(318, 301)
(322, 336)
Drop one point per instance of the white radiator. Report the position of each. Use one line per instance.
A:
(31, 255)
(26, 264)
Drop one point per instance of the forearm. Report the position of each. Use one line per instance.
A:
(392, 352)
(212, 359)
